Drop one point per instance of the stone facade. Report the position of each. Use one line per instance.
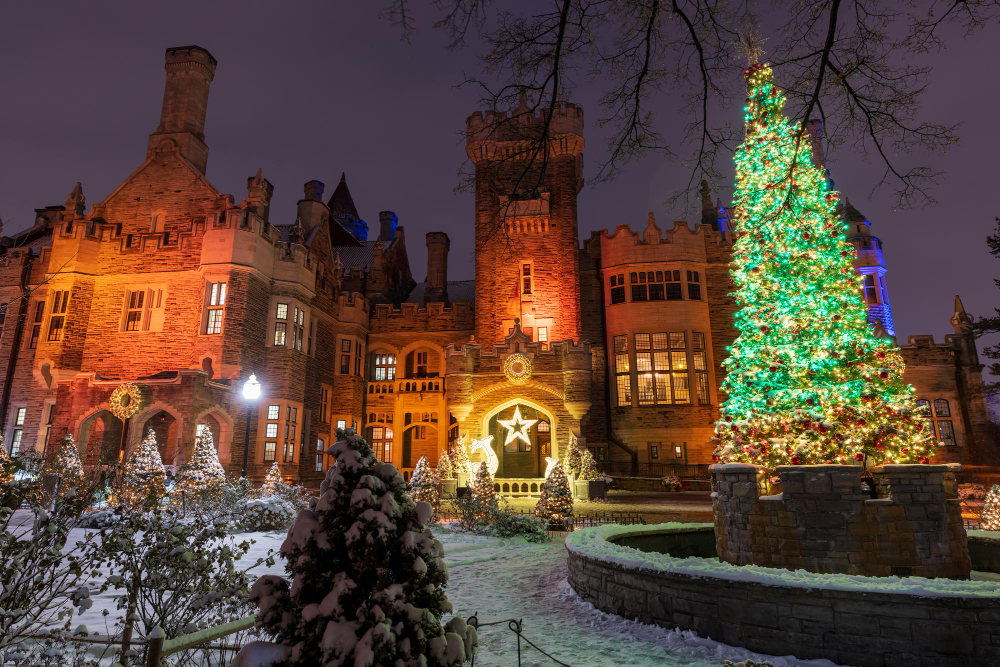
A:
(339, 334)
(821, 521)
(872, 629)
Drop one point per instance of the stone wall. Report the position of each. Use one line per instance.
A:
(873, 629)
(823, 522)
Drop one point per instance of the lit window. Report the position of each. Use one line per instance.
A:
(319, 462)
(543, 334)
(19, 416)
(527, 279)
(273, 411)
(341, 423)
(700, 357)
(58, 318)
(678, 452)
(215, 308)
(345, 345)
(623, 380)
(385, 366)
(270, 449)
(271, 431)
(15, 441)
(544, 427)
(281, 312)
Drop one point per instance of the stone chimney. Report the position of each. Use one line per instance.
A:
(311, 209)
(437, 267)
(190, 70)
(387, 226)
(259, 193)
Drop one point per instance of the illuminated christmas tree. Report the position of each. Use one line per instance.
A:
(7, 465)
(588, 466)
(990, 518)
(807, 379)
(144, 478)
(65, 463)
(272, 481)
(460, 459)
(424, 484)
(445, 468)
(573, 457)
(202, 476)
(556, 502)
(482, 487)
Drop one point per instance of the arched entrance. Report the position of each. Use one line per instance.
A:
(523, 435)
(164, 426)
(420, 438)
(100, 438)
(221, 426)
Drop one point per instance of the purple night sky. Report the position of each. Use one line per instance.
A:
(310, 91)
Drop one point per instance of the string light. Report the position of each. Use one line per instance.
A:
(807, 380)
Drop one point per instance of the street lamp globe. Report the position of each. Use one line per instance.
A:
(251, 388)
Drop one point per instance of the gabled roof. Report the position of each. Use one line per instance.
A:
(458, 290)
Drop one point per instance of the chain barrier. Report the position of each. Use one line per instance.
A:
(515, 626)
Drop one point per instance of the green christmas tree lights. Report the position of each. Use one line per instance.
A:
(807, 380)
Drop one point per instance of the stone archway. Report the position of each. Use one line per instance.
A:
(100, 438)
(166, 428)
(520, 459)
(221, 426)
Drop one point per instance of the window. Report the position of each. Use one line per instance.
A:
(58, 318)
(309, 348)
(51, 414)
(19, 416)
(694, 285)
(946, 432)
(623, 379)
(273, 411)
(527, 279)
(320, 446)
(358, 368)
(700, 357)
(325, 392)
(15, 441)
(941, 408)
(870, 289)
(638, 280)
(543, 334)
(36, 325)
(345, 345)
(341, 423)
(382, 442)
(597, 452)
(270, 448)
(3, 316)
(544, 427)
(298, 328)
(345, 364)
(618, 288)
(939, 421)
(134, 310)
(215, 308)
(385, 366)
(678, 452)
(654, 450)
(281, 325)
(271, 430)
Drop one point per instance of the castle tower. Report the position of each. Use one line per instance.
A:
(527, 248)
(190, 70)
(870, 263)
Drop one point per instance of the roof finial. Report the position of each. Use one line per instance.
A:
(961, 320)
(343, 177)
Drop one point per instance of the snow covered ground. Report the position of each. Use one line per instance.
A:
(503, 579)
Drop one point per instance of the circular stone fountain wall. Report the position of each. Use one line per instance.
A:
(849, 619)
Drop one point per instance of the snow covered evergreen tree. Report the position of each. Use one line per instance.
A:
(7, 466)
(368, 576)
(144, 478)
(424, 484)
(482, 487)
(556, 502)
(66, 463)
(272, 481)
(202, 477)
(445, 468)
(460, 460)
(573, 457)
(588, 466)
(990, 518)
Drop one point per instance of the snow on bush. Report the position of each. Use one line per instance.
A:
(671, 482)
(201, 479)
(275, 486)
(265, 514)
(67, 464)
(482, 512)
(971, 491)
(143, 479)
(367, 575)
(990, 517)
(102, 518)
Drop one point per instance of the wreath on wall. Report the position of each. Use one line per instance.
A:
(125, 400)
(517, 368)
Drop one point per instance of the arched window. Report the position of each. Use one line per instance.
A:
(543, 427)
(941, 408)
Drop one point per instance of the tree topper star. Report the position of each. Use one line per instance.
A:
(517, 427)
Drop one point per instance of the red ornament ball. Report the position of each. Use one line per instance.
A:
(924, 459)
(859, 457)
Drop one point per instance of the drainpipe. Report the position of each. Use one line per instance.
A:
(22, 316)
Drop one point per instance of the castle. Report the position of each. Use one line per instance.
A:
(183, 291)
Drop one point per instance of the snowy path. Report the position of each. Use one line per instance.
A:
(499, 580)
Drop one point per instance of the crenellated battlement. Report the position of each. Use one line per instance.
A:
(513, 125)
(435, 316)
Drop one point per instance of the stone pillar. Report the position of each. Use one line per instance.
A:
(437, 266)
(734, 493)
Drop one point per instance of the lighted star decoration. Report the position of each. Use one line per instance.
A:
(517, 427)
(750, 44)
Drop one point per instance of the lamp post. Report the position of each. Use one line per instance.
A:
(251, 392)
